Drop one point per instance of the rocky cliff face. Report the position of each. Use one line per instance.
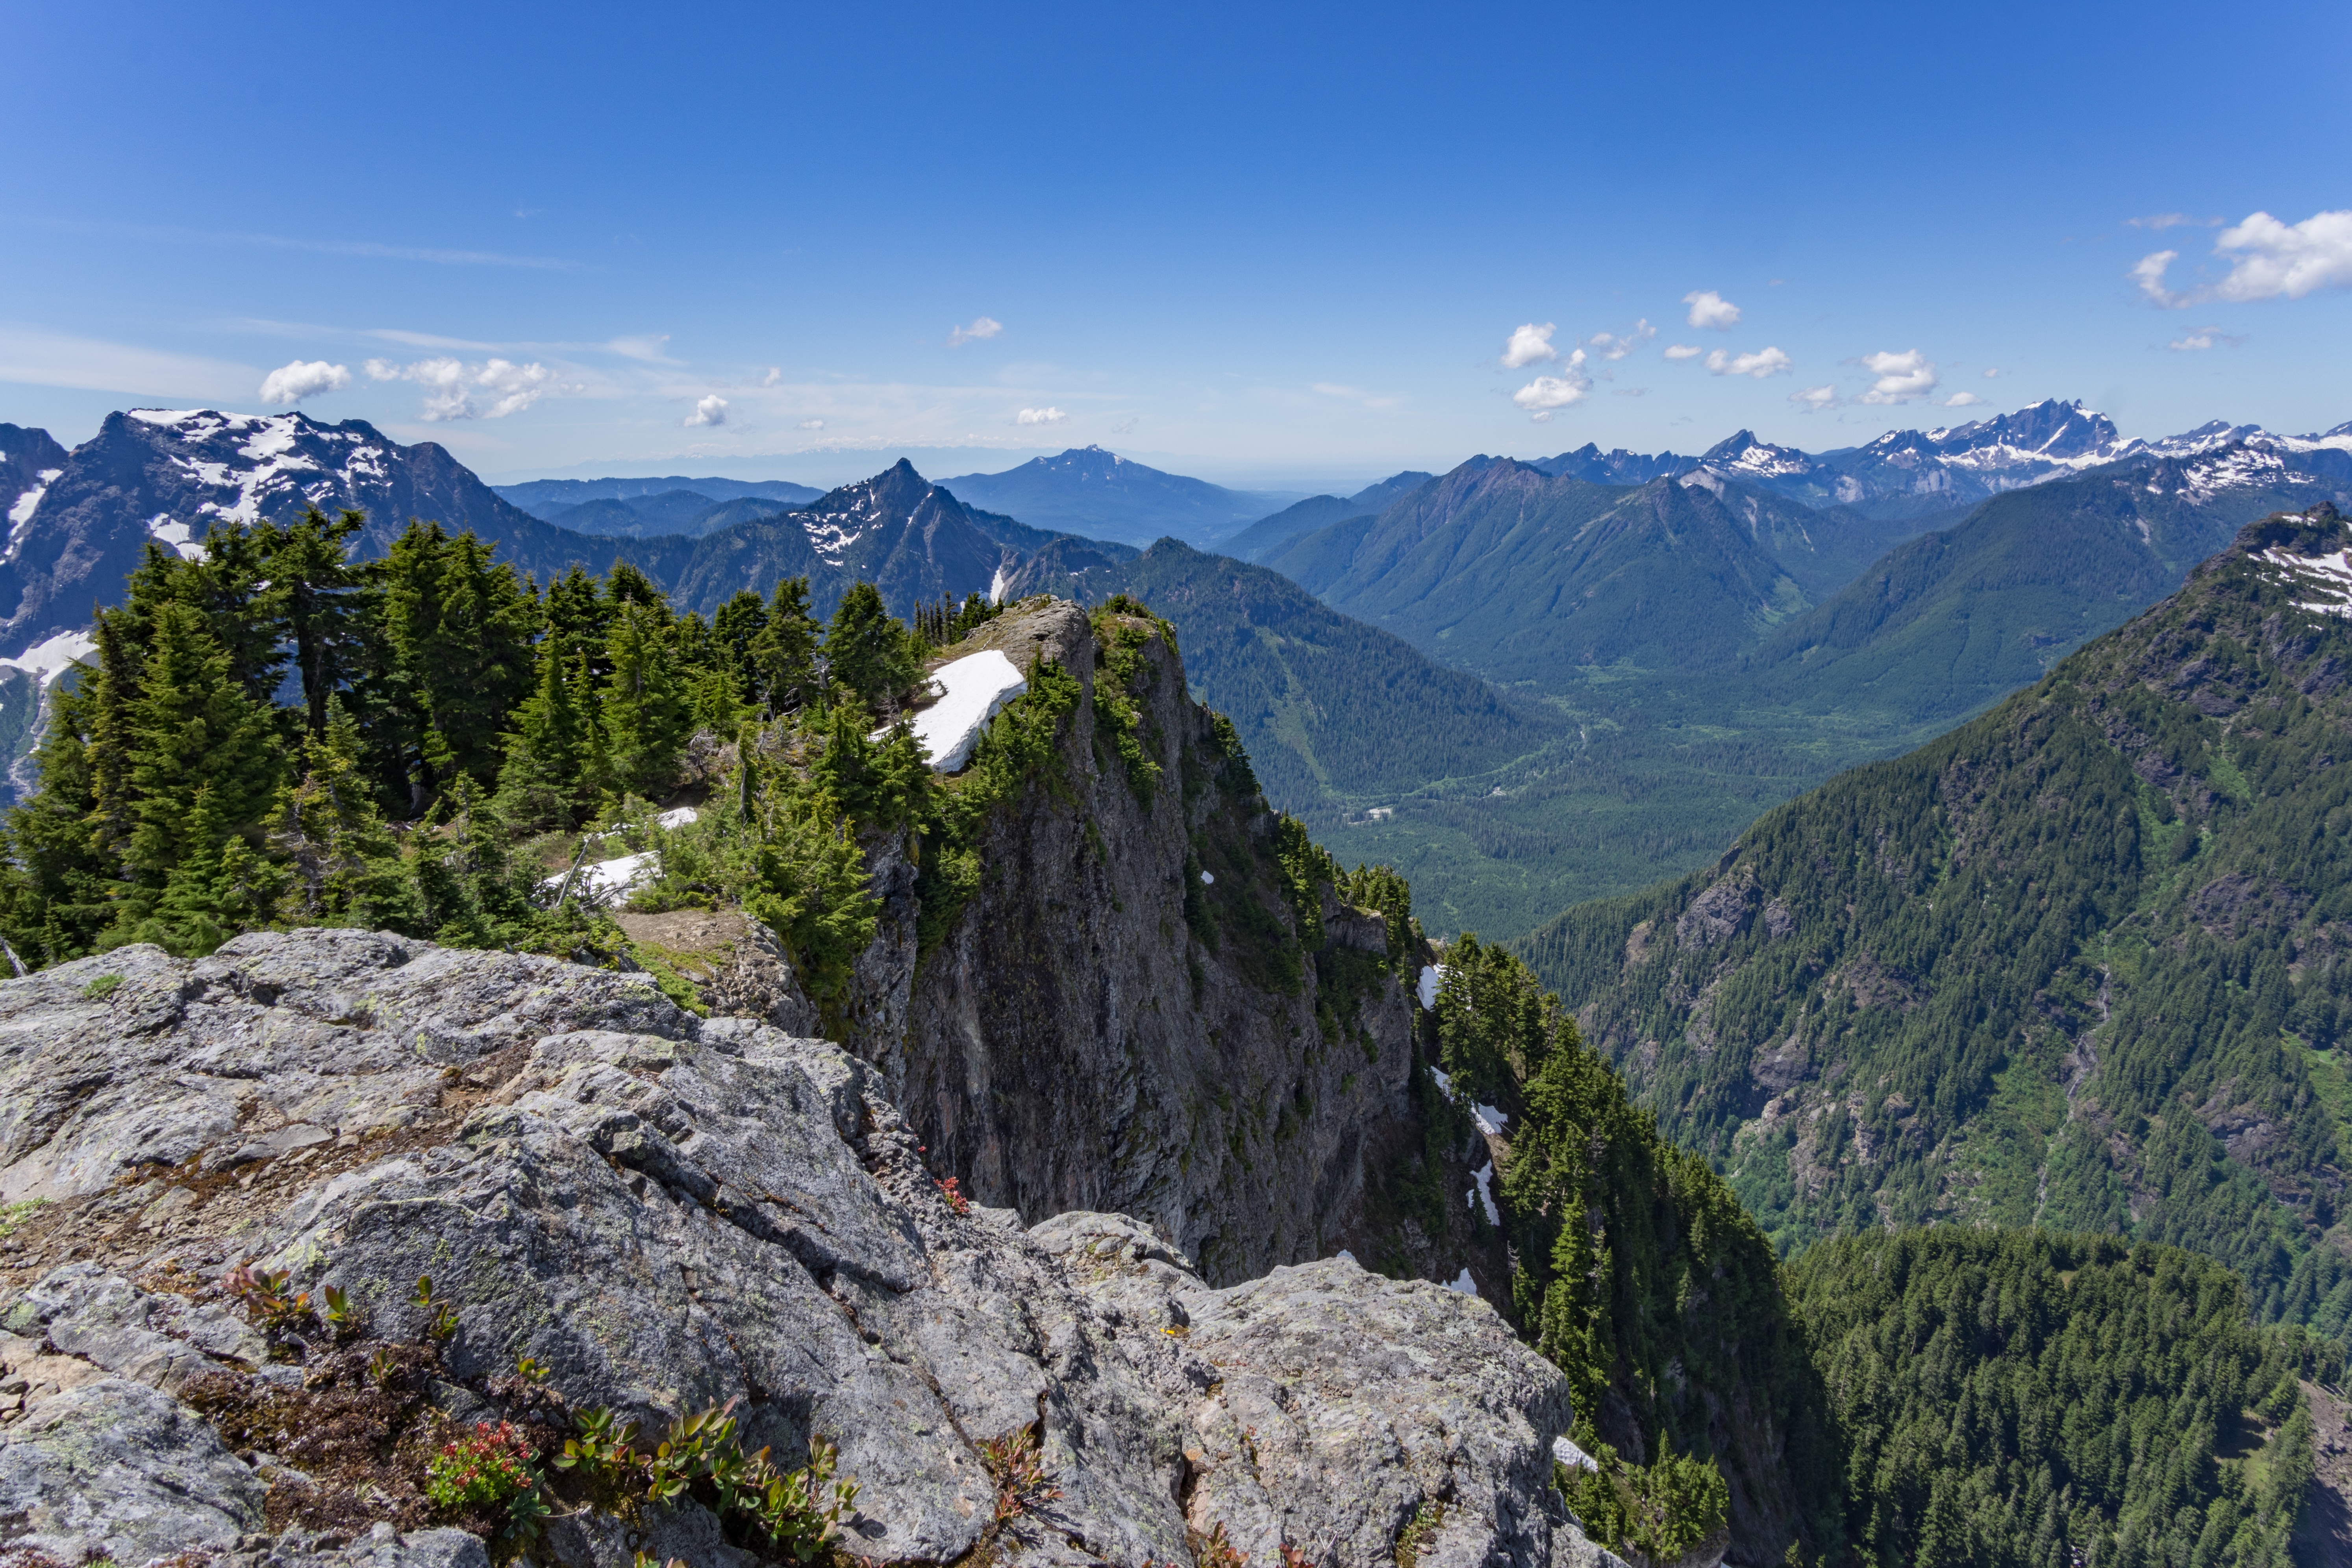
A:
(668, 1214)
(1126, 1016)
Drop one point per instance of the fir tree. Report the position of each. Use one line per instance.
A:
(543, 783)
(460, 630)
(192, 730)
(784, 650)
(736, 628)
(216, 889)
(645, 707)
(314, 591)
(580, 618)
(465, 875)
(346, 862)
(867, 651)
(56, 878)
(229, 586)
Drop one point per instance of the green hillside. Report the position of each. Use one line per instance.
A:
(2073, 964)
(1952, 620)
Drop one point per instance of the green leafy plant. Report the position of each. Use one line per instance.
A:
(440, 1314)
(102, 987)
(345, 1317)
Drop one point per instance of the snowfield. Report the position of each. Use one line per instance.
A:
(973, 689)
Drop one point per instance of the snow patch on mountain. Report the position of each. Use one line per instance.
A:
(53, 657)
(2327, 574)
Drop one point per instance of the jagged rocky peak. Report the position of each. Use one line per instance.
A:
(2049, 429)
(1741, 454)
(665, 1215)
(1133, 1012)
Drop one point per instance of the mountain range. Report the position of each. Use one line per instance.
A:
(1088, 491)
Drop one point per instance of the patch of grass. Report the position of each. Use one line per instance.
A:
(105, 986)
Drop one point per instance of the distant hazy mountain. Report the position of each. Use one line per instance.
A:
(682, 512)
(1269, 533)
(544, 498)
(1616, 467)
(166, 475)
(1088, 490)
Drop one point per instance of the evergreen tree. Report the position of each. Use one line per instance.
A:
(645, 707)
(736, 628)
(784, 650)
(192, 730)
(229, 586)
(218, 887)
(315, 592)
(580, 618)
(625, 584)
(460, 630)
(346, 863)
(868, 651)
(543, 783)
(465, 875)
(56, 878)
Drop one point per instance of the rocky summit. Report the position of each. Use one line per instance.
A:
(286, 1223)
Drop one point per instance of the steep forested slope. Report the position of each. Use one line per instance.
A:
(2020, 1398)
(2077, 963)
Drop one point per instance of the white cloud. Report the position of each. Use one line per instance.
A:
(1540, 397)
(1815, 397)
(490, 390)
(1901, 377)
(2275, 260)
(1531, 344)
(2148, 273)
(981, 328)
(644, 346)
(1962, 400)
(774, 377)
(1710, 309)
(1617, 345)
(293, 382)
(1040, 416)
(1684, 350)
(2174, 220)
(2204, 337)
(710, 410)
(56, 359)
(811, 425)
(1759, 364)
(2268, 260)
(1990, 374)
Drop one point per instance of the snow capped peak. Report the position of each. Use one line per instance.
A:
(1746, 456)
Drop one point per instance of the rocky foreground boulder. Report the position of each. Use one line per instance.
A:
(622, 1208)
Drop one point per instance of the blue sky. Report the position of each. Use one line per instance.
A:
(1278, 245)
